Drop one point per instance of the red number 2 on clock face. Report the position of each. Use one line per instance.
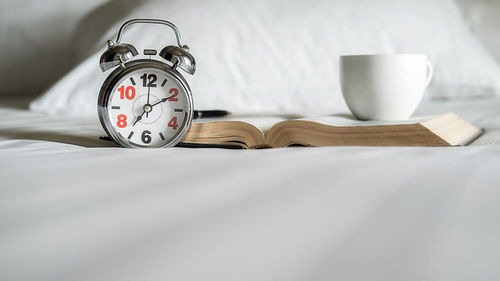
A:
(174, 93)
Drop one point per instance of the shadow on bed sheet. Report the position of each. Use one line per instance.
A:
(59, 137)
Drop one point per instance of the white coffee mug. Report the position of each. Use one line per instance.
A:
(384, 87)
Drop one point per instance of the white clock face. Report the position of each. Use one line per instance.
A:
(148, 108)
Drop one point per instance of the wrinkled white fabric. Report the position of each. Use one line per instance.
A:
(73, 207)
(282, 55)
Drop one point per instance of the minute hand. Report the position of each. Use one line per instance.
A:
(138, 118)
(162, 100)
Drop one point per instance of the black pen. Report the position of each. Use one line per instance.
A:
(209, 113)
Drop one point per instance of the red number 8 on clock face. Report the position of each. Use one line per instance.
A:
(122, 121)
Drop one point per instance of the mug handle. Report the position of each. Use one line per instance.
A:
(430, 73)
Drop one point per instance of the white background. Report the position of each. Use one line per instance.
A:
(38, 38)
(36, 42)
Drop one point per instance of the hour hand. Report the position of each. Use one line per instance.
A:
(162, 100)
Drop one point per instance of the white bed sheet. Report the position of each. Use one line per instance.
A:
(73, 207)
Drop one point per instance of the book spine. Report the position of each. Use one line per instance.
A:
(261, 146)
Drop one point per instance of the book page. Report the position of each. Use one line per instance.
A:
(347, 120)
(263, 122)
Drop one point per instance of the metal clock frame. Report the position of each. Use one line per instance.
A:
(117, 76)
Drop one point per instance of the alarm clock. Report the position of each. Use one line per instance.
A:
(146, 102)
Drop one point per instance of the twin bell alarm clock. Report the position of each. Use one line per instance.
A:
(146, 102)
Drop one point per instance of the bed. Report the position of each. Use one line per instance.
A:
(79, 208)
(76, 207)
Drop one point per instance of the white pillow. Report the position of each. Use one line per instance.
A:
(482, 17)
(282, 55)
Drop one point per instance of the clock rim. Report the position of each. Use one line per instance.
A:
(116, 76)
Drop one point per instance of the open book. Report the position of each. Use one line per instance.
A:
(335, 130)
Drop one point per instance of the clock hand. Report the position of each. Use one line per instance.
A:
(139, 118)
(149, 91)
(162, 100)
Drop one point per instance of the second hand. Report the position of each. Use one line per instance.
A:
(149, 90)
